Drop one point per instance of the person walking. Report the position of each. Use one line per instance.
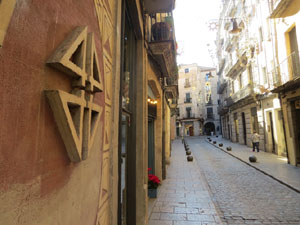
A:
(255, 141)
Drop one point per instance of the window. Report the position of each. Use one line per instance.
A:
(187, 70)
(187, 83)
(188, 98)
(210, 113)
(188, 112)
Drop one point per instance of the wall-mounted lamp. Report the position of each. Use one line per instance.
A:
(235, 29)
(152, 101)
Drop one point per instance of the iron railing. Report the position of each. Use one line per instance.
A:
(187, 100)
(289, 69)
(241, 94)
(170, 81)
(161, 27)
(210, 116)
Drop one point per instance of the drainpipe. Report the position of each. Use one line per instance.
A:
(163, 133)
(284, 130)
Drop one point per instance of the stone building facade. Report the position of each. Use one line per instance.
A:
(198, 101)
(253, 53)
(86, 103)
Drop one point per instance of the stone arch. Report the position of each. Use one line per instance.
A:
(209, 127)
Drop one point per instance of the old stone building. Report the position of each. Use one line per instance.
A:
(255, 51)
(88, 91)
(198, 101)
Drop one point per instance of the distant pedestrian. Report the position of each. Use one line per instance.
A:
(255, 141)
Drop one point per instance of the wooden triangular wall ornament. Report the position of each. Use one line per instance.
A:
(95, 83)
(76, 115)
(70, 56)
(70, 130)
(92, 115)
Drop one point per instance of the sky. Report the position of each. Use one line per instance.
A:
(192, 32)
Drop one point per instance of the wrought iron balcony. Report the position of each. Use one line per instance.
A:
(210, 116)
(189, 116)
(162, 44)
(287, 73)
(171, 85)
(239, 66)
(187, 100)
(239, 95)
(222, 109)
(222, 87)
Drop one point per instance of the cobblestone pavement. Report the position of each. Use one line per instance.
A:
(273, 165)
(184, 197)
(243, 194)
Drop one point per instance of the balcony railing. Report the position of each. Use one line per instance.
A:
(187, 100)
(170, 81)
(239, 95)
(161, 27)
(222, 87)
(289, 69)
(189, 116)
(210, 116)
(162, 43)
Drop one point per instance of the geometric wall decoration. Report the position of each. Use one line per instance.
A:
(107, 129)
(104, 179)
(6, 11)
(108, 82)
(103, 215)
(76, 115)
(107, 37)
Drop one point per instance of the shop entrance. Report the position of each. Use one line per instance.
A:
(295, 106)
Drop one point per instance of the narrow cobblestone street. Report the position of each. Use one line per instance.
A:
(239, 193)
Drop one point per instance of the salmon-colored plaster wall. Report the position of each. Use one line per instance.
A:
(38, 183)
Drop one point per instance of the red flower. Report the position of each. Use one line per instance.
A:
(153, 181)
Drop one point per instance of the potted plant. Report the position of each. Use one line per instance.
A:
(153, 183)
(161, 31)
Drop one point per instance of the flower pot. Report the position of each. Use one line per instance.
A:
(215, 142)
(220, 145)
(228, 148)
(152, 193)
(188, 152)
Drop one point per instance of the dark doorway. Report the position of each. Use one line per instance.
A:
(191, 131)
(272, 131)
(229, 128)
(127, 151)
(151, 152)
(295, 106)
(209, 127)
(244, 128)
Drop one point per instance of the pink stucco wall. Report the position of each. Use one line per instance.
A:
(37, 181)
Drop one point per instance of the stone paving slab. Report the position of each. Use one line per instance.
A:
(184, 198)
(271, 164)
